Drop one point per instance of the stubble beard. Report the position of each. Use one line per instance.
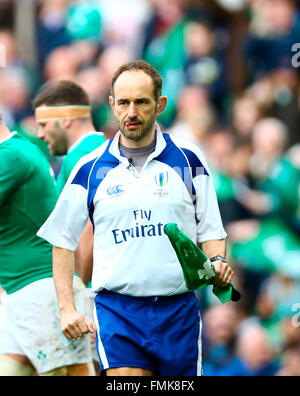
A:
(60, 143)
(144, 132)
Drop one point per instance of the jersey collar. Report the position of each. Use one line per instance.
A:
(83, 137)
(12, 134)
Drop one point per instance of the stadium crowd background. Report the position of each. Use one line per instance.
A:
(233, 84)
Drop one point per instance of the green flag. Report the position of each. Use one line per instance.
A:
(197, 269)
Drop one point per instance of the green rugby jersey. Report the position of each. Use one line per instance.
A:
(27, 197)
(84, 146)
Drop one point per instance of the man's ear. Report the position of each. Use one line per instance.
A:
(161, 105)
(112, 102)
(66, 123)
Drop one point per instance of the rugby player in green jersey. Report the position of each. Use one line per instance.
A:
(30, 337)
(63, 113)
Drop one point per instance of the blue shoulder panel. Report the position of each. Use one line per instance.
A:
(184, 162)
(196, 165)
(82, 176)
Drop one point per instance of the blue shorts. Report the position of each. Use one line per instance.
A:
(161, 334)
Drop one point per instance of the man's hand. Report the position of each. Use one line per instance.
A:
(75, 325)
(224, 273)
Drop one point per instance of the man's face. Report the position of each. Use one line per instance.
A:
(56, 137)
(134, 105)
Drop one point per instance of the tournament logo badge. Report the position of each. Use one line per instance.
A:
(161, 180)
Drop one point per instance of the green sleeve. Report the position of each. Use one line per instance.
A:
(14, 171)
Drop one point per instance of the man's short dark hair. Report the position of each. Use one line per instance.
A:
(146, 68)
(61, 93)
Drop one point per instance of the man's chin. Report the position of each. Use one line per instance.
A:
(56, 153)
(137, 134)
(134, 135)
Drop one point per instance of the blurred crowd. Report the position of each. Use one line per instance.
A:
(233, 84)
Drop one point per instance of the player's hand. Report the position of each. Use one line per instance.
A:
(75, 325)
(224, 273)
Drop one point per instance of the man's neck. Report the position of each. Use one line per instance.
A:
(78, 133)
(4, 132)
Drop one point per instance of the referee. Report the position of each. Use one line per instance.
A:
(131, 187)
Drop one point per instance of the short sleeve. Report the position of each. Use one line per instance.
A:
(69, 217)
(210, 226)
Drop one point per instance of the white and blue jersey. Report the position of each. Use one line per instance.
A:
(129, 210)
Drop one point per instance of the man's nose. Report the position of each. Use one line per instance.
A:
(132, 111)
(41, 133)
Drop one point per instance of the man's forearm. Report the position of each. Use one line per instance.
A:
(84, 254)
(224, 273)
(214, 248)
(73, 323)
(63, 273)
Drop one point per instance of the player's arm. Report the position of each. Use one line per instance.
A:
(224, 273)
(62, 230)
(73, 324)
(84, 254)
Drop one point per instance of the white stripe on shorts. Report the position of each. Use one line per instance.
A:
(199, 363)
(100, 346)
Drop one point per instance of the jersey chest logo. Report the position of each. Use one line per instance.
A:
(161, 181)
(116, 191)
